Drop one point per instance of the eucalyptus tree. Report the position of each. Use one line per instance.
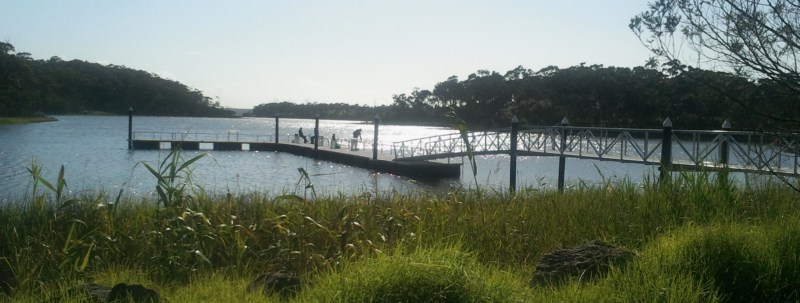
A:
(755, 39)
(449, 93)
(15, 74)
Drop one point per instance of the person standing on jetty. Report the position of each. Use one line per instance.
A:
(300, 133)
(356, 138)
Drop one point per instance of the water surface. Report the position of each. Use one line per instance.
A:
(93, 151)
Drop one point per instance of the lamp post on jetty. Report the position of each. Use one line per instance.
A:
(316, 132)
(724, 150)
(375, 139)
(277, 123)
(130, 127)
(724, 153)
(512, 178)
(666, 150)
(561, 158)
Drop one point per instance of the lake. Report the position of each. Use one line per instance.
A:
(94, 153)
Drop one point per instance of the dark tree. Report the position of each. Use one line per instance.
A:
(55, 86)
(755, 39)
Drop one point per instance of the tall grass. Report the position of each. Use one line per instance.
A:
(185, 236)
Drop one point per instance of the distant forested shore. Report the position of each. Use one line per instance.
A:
(30, 87)
(589, 95)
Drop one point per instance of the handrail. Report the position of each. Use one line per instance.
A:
(236, 137)
(743, 151)
(749, 151)
(230, 136)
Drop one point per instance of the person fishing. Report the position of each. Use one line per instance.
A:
(300, 134)
(334, 144)
(357, 134)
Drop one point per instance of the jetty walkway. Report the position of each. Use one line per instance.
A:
(722, 150)
(673, 150)
(340, 151)
(686, 150)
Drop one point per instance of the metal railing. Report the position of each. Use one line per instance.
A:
(735, 150)
(234, 136)
(230, 136)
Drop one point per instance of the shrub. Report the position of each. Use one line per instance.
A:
(718, 262)
(425, 275)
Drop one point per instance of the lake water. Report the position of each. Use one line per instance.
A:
(94, 153)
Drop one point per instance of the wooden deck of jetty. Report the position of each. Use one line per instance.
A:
(362, 158)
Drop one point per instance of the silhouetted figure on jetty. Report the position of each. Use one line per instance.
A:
(300, 133)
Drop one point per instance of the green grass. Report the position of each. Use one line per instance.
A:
(696, 241)
(709, 263)
(440, 274)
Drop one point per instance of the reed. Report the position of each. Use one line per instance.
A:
(186, 240)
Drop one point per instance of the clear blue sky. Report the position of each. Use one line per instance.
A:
(361, 52)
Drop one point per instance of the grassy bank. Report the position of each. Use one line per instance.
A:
(696, 241)
(25, 120)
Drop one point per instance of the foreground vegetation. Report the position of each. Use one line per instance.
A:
(696, 241)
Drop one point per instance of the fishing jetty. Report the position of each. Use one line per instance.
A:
(720, 151)
(348, 152)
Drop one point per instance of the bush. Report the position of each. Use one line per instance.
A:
(426, 275)
(719, 262)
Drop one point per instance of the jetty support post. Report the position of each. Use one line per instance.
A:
(512, 178)
(130, 127)
(316, 132)
(561, 158)
(666, 150)
(277, 126)
(724, 153)
(375, 138)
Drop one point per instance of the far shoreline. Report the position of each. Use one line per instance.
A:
(26, 120)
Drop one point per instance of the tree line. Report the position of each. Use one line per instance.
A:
(338, 111)
(594, 95)
(588, 95)
(758, 40)
(56, 86)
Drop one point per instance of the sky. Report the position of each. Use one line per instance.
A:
(245, 53)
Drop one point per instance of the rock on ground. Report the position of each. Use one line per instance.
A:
(584, 262)
(133, 293)
(271, 283)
